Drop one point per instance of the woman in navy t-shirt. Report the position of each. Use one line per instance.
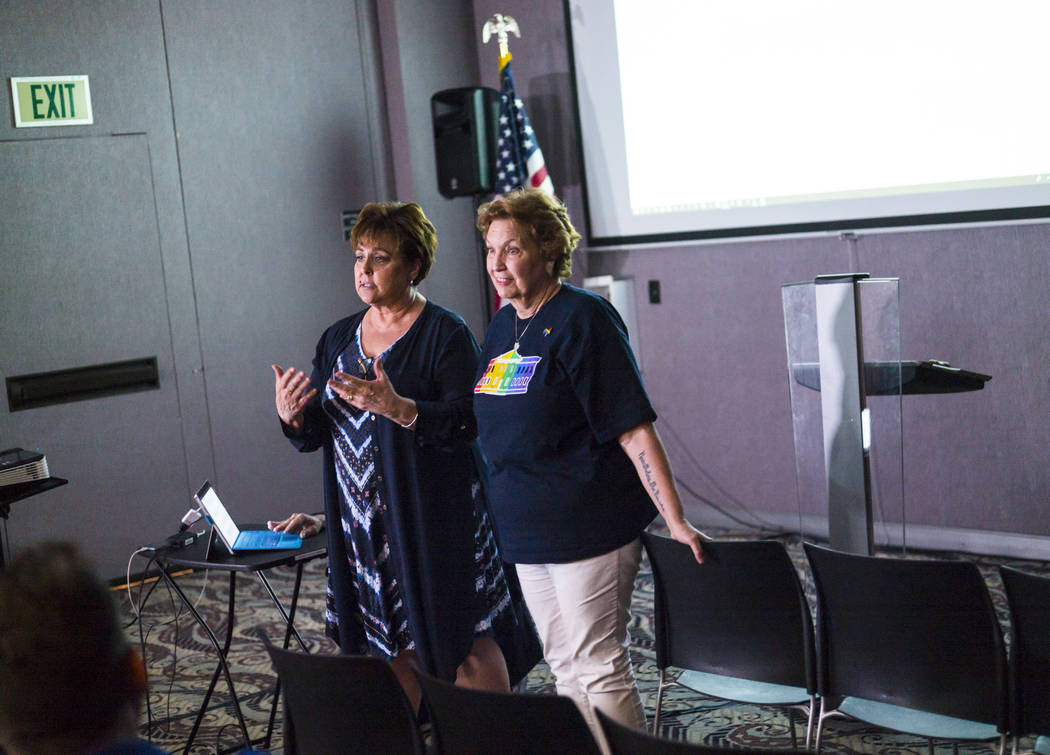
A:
(575, 468)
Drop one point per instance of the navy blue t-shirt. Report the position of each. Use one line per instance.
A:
(549, 419)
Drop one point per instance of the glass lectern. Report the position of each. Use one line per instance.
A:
(845, 372)
(847, 378)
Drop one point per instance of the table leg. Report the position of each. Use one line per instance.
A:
(289, 626)
(222, 666)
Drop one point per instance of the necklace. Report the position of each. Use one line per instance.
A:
(547, 298)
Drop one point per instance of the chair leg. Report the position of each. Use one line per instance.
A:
(809, 720)
(820, 727)
(659, 700)
(791, 727)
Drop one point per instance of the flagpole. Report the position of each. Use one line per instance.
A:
(501, 26)
(519, 159)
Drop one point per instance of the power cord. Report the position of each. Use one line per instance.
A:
(181, 539)
(759, 523)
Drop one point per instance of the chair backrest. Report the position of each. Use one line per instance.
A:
(741, 613)
(623, 740)
(1029, 598)
(921, 634)
(344, 704)
(472, 722)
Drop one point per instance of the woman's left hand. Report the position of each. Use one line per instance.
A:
(377, 396)
(687, 534)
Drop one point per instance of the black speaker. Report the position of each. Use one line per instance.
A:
(465, 139)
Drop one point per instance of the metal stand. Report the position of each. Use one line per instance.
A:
(198, 556)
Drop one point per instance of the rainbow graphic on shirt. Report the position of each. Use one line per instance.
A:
(507, 375)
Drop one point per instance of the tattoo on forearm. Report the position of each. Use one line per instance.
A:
(654, 489)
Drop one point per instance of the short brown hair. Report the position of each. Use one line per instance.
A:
(544, 218)
(416, 236)
(65, 681)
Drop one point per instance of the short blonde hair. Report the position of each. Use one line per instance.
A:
(543, 217)
(415, 236)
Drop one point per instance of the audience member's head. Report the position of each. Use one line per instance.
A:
(69, 681)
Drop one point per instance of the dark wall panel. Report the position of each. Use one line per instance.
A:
(83, 284)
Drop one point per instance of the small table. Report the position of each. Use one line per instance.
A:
(11, 493)
(209, 553)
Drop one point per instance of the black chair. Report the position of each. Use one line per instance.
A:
(623, 740)
(739, 624)
(344, 704)
(1029, 598)
(908, 645)
(471, 722)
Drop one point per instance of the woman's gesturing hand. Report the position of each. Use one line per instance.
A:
(292, 395)
(377, 396)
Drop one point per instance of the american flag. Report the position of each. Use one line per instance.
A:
(519, 161)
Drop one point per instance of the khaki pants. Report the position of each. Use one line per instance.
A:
(581, 612)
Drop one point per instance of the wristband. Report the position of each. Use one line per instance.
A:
(410, 422)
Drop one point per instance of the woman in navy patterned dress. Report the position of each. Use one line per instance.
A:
(414, 570)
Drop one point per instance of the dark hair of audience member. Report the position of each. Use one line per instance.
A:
(69, 681)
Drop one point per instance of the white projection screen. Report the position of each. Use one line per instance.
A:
(715, 118)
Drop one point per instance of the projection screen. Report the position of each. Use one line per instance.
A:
(714, 118)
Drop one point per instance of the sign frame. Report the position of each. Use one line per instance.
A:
(86, 119)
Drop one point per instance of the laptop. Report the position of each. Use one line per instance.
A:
(233, 537)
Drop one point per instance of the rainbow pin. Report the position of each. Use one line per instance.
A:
(546, 332)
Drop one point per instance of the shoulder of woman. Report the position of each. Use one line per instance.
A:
(441, 314)
(589, 307)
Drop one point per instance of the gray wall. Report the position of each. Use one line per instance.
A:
(975, 464)
(211, 238)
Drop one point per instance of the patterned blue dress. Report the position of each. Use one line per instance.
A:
(364, 527)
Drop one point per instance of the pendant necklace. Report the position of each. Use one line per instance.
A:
(517, 338)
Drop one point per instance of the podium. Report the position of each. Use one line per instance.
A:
(847, 380)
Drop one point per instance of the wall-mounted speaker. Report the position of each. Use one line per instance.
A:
(465, 139)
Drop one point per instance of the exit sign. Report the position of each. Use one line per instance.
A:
(51, 101)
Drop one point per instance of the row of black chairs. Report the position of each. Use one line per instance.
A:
(349, 704)
(910, 645)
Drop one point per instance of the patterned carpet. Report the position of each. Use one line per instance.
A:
(180, 660)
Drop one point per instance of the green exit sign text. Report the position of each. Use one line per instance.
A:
(51, 101)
